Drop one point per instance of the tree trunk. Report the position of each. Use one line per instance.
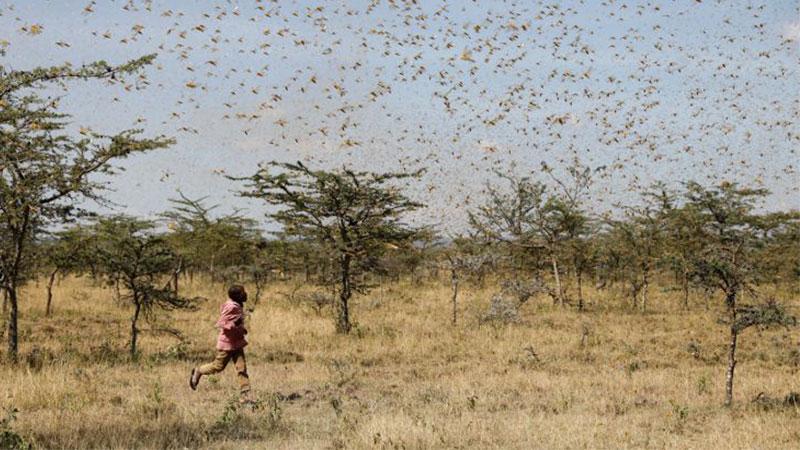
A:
(50, 282)
(634, 293)
(454, 283)
(176, 276)
(175, 283)
(259, 282)
(13, 276)
(559, 291)
(13, 335)
(285, 262)
(685, 286)
(645, 288)
(343, 312)
(731, 301)
(134, 330)
(579, 279)
(731, 367)
(5, 302)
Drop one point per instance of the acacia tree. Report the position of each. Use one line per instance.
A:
(566, 217)
(465, 260)
(506, 217)
(355, 215)
(728, 260)
(638, 239)
(522, 218)
(682, 242)
(44, 171)
(68, 252)
(255, 266)
(576, 228)
(413, 260)
(634, 252)
(779, 256)
(208, 242)
(530, 217)
(128, 251)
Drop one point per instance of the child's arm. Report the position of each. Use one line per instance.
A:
(229, 318)
(239, 323)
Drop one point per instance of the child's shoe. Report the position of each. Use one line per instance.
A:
(194, 379)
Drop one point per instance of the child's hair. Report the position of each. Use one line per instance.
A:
(237, 293)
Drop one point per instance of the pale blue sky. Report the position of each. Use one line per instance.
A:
(652, 90)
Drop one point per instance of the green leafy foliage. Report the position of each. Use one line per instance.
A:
(9, 439)
(540, 223)
(45, 171)
(210, 243)
(262, 418)
(771, 313)
(133, 257)
(356, 216)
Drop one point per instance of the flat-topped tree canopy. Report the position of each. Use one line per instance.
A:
(357, 215)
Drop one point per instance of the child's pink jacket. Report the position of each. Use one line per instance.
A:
(231, 336)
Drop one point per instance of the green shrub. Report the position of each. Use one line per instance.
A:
(9, 439)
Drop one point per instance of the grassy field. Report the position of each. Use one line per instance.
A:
(605, 378)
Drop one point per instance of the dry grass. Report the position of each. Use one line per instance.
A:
(405, 378)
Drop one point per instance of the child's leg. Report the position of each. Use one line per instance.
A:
(241, 371)
(218, 365)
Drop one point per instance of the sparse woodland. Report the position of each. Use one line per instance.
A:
(545, 321)
(510, 320)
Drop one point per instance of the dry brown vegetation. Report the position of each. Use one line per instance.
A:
(405, 377)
